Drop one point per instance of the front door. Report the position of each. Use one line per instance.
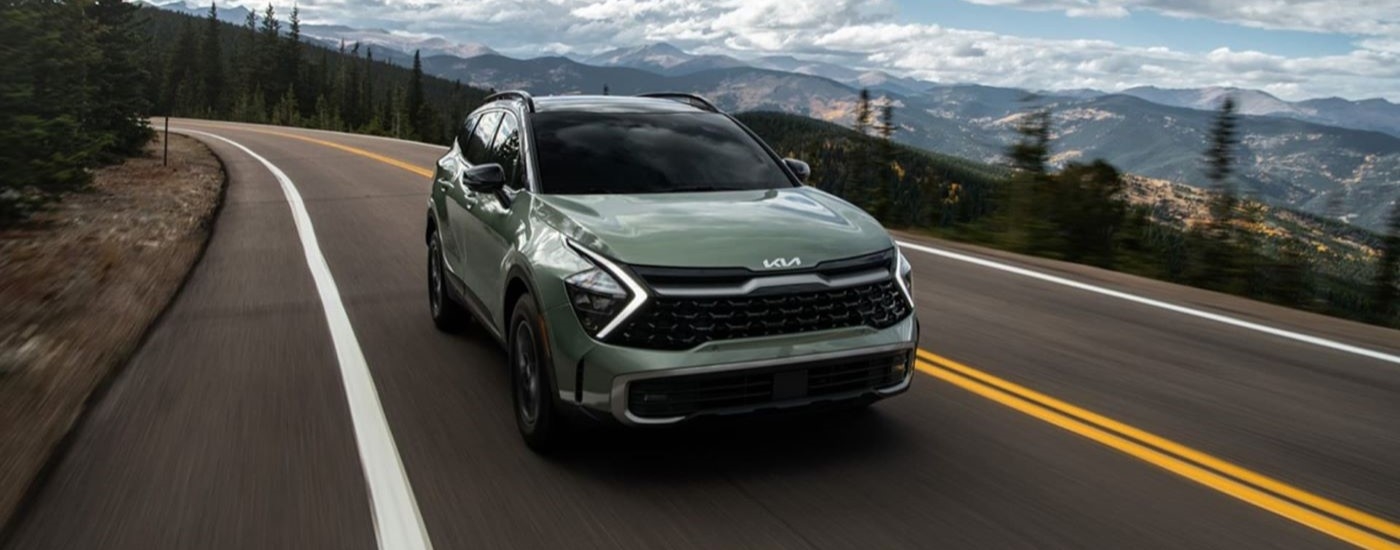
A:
(462, 211)
(497, 215)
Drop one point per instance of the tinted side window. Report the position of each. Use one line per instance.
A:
(506, 150)
(477, 148)
(465, 132)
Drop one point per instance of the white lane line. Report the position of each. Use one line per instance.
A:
(397, 523)
(1295, 336)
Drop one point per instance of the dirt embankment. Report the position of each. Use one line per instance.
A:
(80, 284)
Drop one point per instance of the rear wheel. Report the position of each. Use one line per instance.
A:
(447, 314)
(532, 380)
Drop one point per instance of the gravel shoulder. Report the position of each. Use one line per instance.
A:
(79, 286)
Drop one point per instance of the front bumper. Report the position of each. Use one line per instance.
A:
(759, 385)
(599, 377)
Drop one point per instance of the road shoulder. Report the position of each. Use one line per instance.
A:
(80, 287)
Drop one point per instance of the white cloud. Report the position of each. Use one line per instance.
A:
(865, 34)
(1363, 17)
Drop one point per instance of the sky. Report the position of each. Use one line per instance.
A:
(1295, 49)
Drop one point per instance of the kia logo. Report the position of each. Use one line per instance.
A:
(774, 263)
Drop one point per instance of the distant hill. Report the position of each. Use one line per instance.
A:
(735, 89)
(668, 60)
(403, 44)
(874, 80)
(663, 59)
(542, 75)
(235, 15)
(1369, 114)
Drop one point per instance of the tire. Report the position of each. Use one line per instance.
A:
(532, 380)
(448, 315)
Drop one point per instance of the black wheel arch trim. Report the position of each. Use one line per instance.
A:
(519, 271)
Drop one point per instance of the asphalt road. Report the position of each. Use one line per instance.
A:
(231, 427)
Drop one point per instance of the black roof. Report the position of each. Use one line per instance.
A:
(612, 104)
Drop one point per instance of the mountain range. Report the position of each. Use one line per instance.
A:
(1332, 156)
(1368, 114)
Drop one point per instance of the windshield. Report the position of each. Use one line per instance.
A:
(629, 153)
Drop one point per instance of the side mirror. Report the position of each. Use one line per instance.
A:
(485, 178)
(801, 169)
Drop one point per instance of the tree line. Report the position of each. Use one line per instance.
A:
(72, 96)
(81, 78)
(265, 71)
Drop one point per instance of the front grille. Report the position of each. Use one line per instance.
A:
(676, 323)
(755, 388)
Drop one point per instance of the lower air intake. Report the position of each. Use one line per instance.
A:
(758, 388)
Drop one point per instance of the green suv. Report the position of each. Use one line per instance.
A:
(651, 260)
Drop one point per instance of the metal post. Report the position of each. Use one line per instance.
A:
(165, 156)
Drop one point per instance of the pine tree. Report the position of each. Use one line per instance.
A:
(1220, 254)
(1219, 159)
(269, 57)
(887, 175)
(285, 113)
(864, 114)
(352, 100)
(1087, 211)
(211, 64)
(414, 105)
(44, 82)
(1028, 194)
(455, 113)
(1383, 287)
(1031, 152)
(886, 127)
(367, 93)
(327, 118)
(118, 106)
(182, 88)
(290, 66)
(243, 69)
(257, 106)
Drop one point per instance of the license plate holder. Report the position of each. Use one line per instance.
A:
(789, 385)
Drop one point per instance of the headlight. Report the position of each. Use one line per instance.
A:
(906, 276)
(596, 297)
(604, 296)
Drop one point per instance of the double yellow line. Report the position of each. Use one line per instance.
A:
(1335, 519)
(1332, 518)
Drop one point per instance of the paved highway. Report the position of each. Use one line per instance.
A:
(296, 396)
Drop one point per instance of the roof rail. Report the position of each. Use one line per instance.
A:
(689, 99)
(513, 94)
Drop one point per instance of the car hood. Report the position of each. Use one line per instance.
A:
(718, 229)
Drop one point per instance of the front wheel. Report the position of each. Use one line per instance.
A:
(447, 315)
(531, 380)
